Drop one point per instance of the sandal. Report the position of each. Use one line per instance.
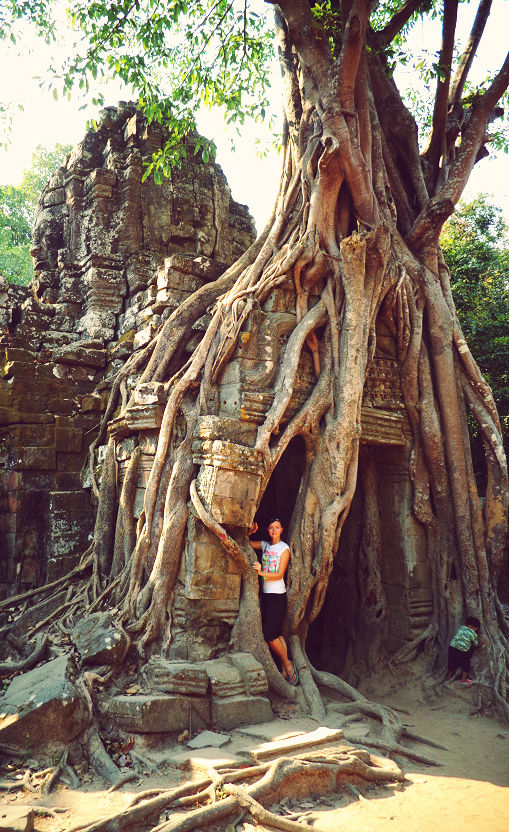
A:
(294, 676)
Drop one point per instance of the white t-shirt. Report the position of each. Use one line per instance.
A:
(271, 556)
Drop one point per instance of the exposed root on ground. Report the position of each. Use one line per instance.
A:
(394, 729)
(218, 797)
(8, 668)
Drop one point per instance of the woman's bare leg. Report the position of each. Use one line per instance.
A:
(279, 646)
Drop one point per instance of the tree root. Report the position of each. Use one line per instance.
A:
(99, 758)
(393, 726)
(260, 814)
(41, 811)
(86, 561)
(299, 777)
(52, 779)
(125, 778)
(320, 772)
(395, 748)
(8, 668)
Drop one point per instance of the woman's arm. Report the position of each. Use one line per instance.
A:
(256, 544)
(274, 576)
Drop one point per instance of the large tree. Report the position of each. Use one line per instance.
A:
(357, 220)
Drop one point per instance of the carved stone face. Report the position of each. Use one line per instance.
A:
(47, 239)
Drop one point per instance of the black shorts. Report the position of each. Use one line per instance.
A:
(459, 658)
(273, 607)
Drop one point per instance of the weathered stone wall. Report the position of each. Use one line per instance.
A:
(113, 256)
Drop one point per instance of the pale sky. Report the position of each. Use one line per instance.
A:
(253, 180)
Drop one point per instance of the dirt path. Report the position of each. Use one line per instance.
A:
(468, 793)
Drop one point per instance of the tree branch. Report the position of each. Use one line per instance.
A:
(354, 39)
(437, 143)
(429, 223)
(400, 19)
(474, 136)
(468, 55)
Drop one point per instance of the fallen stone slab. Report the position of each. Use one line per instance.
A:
(278, 729)
(201, 760)
(230, 711)
(98, 641)
(209, 738)
(158, 713)
(293, 745)
(16, 819)
(43, 705)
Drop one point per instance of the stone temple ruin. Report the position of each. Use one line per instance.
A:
(114, 256)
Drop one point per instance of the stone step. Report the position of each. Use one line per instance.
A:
(281, 748)
(158, 713)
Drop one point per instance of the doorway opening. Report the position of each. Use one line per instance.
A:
(283, 487)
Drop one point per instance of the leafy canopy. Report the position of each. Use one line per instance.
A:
(178, 55)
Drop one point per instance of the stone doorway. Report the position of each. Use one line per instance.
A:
(406, 582)
(283, 487)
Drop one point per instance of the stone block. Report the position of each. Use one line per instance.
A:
(225, 678)
(125, 448)
(95, 403)
(225, 427)
(72, 501)
(144, 416)
(80, 355)
(142, 337)
(148, 442)
(153, 713)
(39, 459)
(8, 416)
(69, 461)
(68, 440)
(42, 437)
(177, 677)
(231, 711)
(213, 586)
(67, 481)
(17, 369)
(98, 641)
(381, 427)
(251, 671)
(229, 480)
(43, 705)
(150, 393)
(208, 739)
(61, 405)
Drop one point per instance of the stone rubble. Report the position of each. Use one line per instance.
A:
(43, 706)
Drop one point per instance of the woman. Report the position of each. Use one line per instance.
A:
(275, 558)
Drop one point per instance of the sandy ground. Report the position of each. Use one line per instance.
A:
(468, 793)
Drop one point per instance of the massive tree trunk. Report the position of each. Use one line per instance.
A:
(355, 232)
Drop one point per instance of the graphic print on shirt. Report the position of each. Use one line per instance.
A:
(270, 561)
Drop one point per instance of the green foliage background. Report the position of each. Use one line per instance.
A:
(475, 243)
(17, 209)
